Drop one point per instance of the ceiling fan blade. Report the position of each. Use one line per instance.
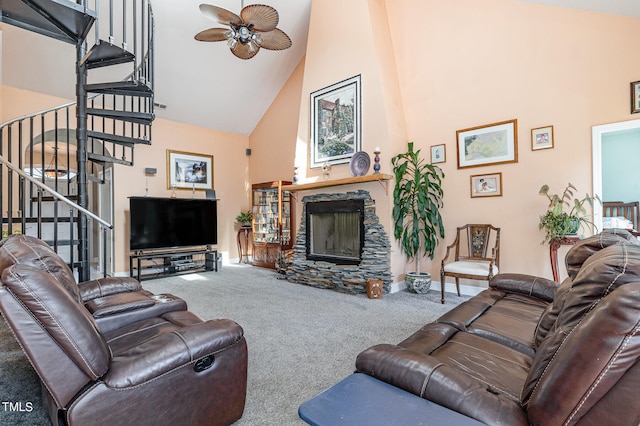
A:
(263, 17)
(242, 51)
(275, 40)
(220, 15)
(212, 34)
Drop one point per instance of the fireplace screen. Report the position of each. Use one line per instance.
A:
(335, 231)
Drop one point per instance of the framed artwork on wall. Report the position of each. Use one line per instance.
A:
(489, 185)
(186, 170)
(438, 154)
(487, 145)
(635, 97)
(335, 123)
(542, 138)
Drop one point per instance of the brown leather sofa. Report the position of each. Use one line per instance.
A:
(151, 366)
(527, 351)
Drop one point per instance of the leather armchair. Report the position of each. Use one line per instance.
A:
(165, 370)
(113, 301)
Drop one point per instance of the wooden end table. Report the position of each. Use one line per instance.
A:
(244, 235)
(554, 245)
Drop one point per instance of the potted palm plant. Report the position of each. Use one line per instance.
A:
(565, 213)
(417, 198)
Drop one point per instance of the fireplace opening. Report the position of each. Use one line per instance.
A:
(335, 231)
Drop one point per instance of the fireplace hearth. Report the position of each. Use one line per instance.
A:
(340, 244)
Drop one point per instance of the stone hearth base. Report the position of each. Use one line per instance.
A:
(346, 278)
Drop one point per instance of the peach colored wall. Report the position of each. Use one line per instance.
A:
(541, 65)
(273, 139)
(231, 179)
(459, 66)
(15, 102)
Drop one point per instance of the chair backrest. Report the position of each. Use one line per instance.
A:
(590, 354)
(481, 240)
(629, 211)
(20, 249)
(57, 333)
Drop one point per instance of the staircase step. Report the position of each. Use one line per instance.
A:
(105, 159)
(120, 140)
(50, 198)
(127, 88)
(129, 116)
(62, 20)
(105, 54)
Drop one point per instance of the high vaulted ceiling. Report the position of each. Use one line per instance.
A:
(203, 83)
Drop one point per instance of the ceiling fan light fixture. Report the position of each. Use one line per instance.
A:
(254, 28)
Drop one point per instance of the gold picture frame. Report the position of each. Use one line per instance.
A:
(438, 154)
(188, 170)
(487, 185)
(487, 145)
(542, 138)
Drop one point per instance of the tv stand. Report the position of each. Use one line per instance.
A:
(158, 264)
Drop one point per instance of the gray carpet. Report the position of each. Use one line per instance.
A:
(301, 340)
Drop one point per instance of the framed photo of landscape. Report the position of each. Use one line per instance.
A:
(186, 170)
(488, 145)
(335, 123)
(489, 185)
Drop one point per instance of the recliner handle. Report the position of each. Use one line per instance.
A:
(203, 363)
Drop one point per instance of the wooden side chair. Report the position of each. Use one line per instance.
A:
(629, 211)
(469, 257)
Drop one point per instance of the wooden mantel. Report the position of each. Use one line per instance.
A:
(382, 178)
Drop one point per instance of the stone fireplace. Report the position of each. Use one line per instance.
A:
(340, 243)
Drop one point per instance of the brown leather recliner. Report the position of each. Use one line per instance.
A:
(161, 370)
(113, 301)
(527, 351)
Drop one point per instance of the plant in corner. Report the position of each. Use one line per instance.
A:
(417, 199)
(245, 218)
(559, 223)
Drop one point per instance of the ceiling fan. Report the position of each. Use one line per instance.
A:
(247, 33)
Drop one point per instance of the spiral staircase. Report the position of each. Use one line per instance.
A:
(53, 163)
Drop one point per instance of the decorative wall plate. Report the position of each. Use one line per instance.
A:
(359, 164)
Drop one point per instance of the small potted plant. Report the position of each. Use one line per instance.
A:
(565, 213)
(245, 218)
(417, 198)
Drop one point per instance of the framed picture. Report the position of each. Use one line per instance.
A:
(487, 145)
(542, 138)
(335, 123)
(635, 97)
(489, 185)
(438, 154)
(186, 170)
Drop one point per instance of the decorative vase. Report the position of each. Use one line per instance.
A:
(418, 282)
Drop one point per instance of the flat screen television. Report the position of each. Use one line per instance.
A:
(158, 223)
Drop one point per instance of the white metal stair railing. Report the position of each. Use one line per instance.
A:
(106, 226)
(112, 120)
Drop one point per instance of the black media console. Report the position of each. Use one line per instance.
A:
(159, 264)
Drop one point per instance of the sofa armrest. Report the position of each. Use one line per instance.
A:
(427, 377)
(169, 351)
(101, 287)
(529, 285)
